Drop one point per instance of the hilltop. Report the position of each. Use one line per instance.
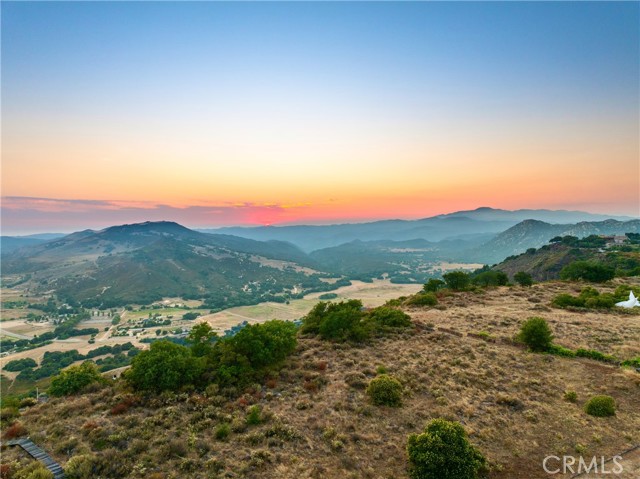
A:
(457, 361)
(145, 262)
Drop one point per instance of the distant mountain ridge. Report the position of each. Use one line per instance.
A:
(447, 226)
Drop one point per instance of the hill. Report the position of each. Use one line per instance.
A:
(144, 262)
(533, 234)
(314, 418)
(546, 262)
(449, 226)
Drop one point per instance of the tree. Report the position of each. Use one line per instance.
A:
(491, 278)
(457, 280)
(74, 379)
(164, 366)
(443, 451)
(587, 271)
(200, 338)
(523, 278)
(433, 285)
(536, 334)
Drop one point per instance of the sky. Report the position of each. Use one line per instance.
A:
(256, 113)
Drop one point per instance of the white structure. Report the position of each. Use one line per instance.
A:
(630, 303)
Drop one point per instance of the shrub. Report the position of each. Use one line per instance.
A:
(587, 271)
(523, 278)
(337, 321)
(566, 300)
(80, 467)
(536, 334)
(443, 451)
(490, 278)
(561, 351)
(164, 366)
(433, 285)
(74, 379)
(423, 299)
(385, 390)
(596, 355)
(389, 317)
(35, 470)
(15, 430)
(223, 431)
(457, 280)
(633, 362)
(254, 416)
(601, 406)
(570, 396)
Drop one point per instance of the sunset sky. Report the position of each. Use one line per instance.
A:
(215, 114)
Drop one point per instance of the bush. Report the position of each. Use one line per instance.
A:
(80, 467)
(570, 396)
(587, 271)
(385, 391)
(596, 355)
(633, 362)
(389, 317)
(423, 299)
(536, 334)
(523, 278)
(490, 278)
(74, 379)
(561, 351)
(433, 285)
(601, 406)
(457, 280)
(34, 470)
(342, 321)
(164, 366)
(254, 416)
(223, 431)
(443, 451)
(567, 301)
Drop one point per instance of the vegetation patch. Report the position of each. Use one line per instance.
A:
(601, 406)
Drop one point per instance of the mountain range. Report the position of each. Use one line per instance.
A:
(145, 262)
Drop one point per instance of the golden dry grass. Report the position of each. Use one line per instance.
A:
(321, 424)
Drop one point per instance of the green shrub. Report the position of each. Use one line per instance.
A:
(165, 366)
(80, 467)
(587, 271)
(536, 334)
(385, 391)
(74, 379)
(597, 355)
(342, 321)
(633, 362)
(254, 416)
(570, 396)
(433, 285)
(34, 470)
(601, 406)
(457, 280)
(561, 351)
(222, 431)
(423, 299)
(443, 451)
(523, 278)
(566, 301)
(490, 278)
(389, 317)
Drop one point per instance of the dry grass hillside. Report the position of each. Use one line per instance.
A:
(316, 420)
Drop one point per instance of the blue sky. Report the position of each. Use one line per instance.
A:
(359, 109)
